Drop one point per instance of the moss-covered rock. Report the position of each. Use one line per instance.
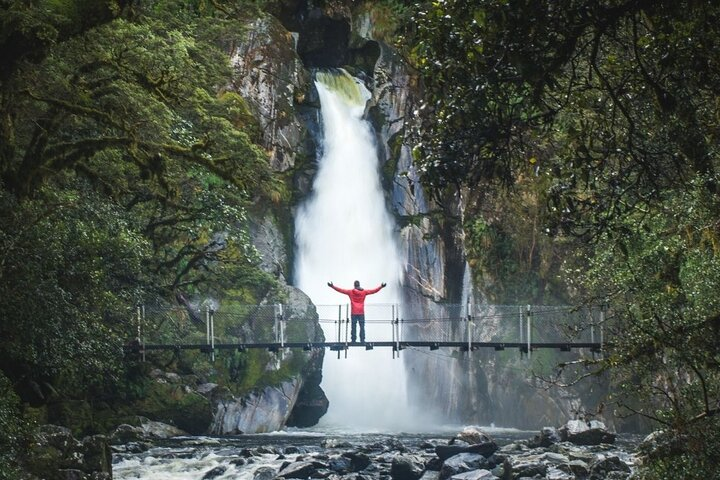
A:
(55, 452)
(177, 405)
(77, 415)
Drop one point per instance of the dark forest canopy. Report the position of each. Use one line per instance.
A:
(605, 114)
(125, 175)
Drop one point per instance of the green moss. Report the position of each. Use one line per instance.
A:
(173, 405)
(38, 416)
(389, 169)
(77, 415)
(42, 459)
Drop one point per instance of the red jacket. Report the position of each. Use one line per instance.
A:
(357, 298)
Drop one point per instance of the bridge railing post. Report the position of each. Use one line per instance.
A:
(602, 327)
(392, 330)
(212, 334)
(469, 330)
(207, 326)
(280, 318)
(141, 329)
(339, 328)
(210, 331)
(280, 328)
(521, 318)
(529, 331)
(276, 325)
(396, 316)
(348, 314)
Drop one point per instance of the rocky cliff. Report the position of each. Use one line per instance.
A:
(273, 73)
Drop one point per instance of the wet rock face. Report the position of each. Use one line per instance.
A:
(310, 406)
(311, 403)
(264, 411)
(324, 41)
(269, 75)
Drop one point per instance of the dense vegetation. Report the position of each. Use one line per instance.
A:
(598, 123)
(125, 176)
(127, 172)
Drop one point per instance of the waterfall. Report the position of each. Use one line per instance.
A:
(345, 233)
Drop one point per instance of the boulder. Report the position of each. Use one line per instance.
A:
(485, 449)
(548, 436)
(96, 454)
(339, 464)
(358, 460)
(480, 474)
(521, 467)
(153, 429)
(335, 443)
(70, 474)
(661, 444)
(586, 433)
(298, 470)
(214, 473)
(57, 437)
(177, 405)
(265, 473)
(407, 467)
(146, 430)
(57, 454)
(555, 473)
(463, 462)
(604, 465)
(472, 436)
(430, 475)
(578, 468)
(261, 411)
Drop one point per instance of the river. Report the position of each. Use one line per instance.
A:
(261, 456)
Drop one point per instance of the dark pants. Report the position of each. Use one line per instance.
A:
(355, 319)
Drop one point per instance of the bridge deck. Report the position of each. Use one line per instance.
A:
(338, 346)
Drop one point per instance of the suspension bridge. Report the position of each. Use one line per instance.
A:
(276, 327)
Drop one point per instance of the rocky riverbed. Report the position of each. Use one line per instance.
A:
(578, 450)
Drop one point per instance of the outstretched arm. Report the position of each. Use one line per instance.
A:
(376, 289)
(338, 289)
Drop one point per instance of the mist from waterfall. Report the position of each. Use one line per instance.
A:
(345, 233)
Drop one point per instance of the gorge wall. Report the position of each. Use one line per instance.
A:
(273, 73)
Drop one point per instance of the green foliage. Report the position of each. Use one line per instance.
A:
(660, 276)
(689, 455)
(66, 266)
(126, 173)
(612, 105)
(513, 259)
(12, 427)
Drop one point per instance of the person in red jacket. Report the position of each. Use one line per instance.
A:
(357, 306)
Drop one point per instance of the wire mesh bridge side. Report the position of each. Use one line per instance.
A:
(465, 327)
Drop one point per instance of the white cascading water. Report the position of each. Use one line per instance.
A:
(344, 233)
